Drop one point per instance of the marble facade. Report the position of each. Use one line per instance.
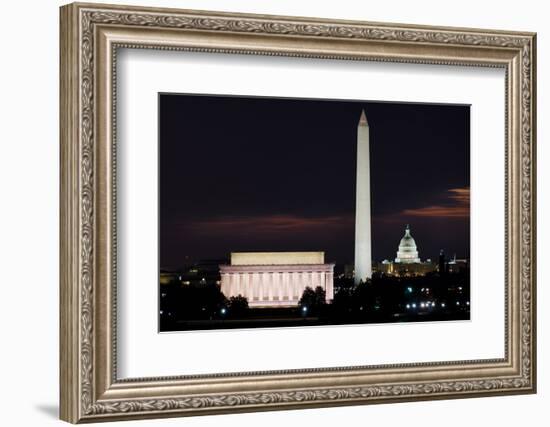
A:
(279, 281)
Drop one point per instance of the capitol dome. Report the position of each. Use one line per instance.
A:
(407, 252)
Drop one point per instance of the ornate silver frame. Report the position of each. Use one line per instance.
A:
(90, 36)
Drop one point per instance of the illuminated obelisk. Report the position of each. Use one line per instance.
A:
(363, 267)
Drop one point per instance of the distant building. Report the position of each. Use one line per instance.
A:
(407, 252)
(201, 273)
(349, 271)
(407, 261)
(390, 268)
(276, 279)
(168, 277)
(457, 265)
(442, 263)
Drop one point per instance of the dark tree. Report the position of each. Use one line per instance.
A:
(188, 302)
(313, 300)
(308, 297)
(320, 297)
(238, 305)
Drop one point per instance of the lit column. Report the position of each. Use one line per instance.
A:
(297, 285)
(244, 285)
(261, 284)
(329, 296)
(275, 285)
(236, 285)
(227, 283)
(314, 278)
(295, 281)
(238, 281)
(281, 285)
(224, 283)
(270, 284)
(290, 285)
(284, 287)
(251, 286)
(302, 283)
(258, 285)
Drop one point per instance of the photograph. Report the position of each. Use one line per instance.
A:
(289, 212)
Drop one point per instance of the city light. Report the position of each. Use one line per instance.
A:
(408, 306)
(409, 289)
(223, 310)
(304, 309)
(443, 304)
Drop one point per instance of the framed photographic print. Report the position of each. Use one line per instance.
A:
(263, 212)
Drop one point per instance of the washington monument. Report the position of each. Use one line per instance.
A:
(363, 267)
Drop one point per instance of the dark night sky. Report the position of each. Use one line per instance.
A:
(268, 174)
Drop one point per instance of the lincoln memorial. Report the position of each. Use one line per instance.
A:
(276, 279)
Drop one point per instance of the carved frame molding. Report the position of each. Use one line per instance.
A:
(90, 36)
